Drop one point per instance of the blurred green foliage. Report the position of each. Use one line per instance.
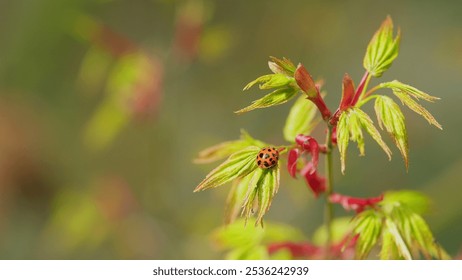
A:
(104, 104)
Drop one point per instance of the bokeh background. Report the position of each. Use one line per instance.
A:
(104, 104)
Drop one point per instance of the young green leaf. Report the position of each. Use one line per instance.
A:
(415, 201)
(277, 232)
(422, 235)
(270, 81)
(356, 133)
(368, 224)
(390, 117)
(416, 107)
(389, 249)
(277, 97)
(409, 90)
(237, 165)
(343, 138)
(219, 151)
(236, 198)
(263, 186)
(382, 49)
(426, 240)
(237, 235)
(248, 253)
(368, 124)
(411, 234)
(243, 240)
(349, 127)
(227, 148)
(406, 94)
(268, 188)
(416, 232)
(301, 119)
(283, 66)
(398, 239)
(340, 228)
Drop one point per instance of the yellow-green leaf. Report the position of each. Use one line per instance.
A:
(263, 186)
(415, 201)
(270, 81)
(406, 94)
(409, 90)
(301, 119)
(382, 49)
(416, 233)
(368, 124)
(343, 138)
(340, 228)
(349, 127)
(398, 239)
(283, 66)
(236, 198)
(237, 165)
(390, 117)
(246, 242)
(237, 235)
(225, 149)
(277, 97)
(389, 249)
(368, 224)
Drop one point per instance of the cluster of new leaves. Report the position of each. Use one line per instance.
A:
(404, 233)
(351, 120)
(396, 223)
(283, 242)
(246, 243)
(253, 187)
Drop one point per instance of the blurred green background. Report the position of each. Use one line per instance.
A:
(104, 104)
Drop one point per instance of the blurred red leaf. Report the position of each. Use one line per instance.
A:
(354, 203)
(316, 183)
(292, 161)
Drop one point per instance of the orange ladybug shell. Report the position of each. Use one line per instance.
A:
(267, 157)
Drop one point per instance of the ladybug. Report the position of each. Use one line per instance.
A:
(267, 157)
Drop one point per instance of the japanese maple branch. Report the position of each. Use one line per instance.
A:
(329, 210)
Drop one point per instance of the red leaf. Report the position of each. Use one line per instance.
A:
(308, 143)
(315, 182)
(354, 203)
(344, 249)
(305, 81)
(348, 92)
(292, 161)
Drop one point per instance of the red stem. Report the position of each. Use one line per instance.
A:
(360, 88)
(319, 102)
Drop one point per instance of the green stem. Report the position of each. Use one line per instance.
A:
(329, 211)
(365, 100)
(369, 92)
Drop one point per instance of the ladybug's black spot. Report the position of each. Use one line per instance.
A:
(260, 155)
(273, 162)
(274, 155)
(259, 162)
(266, 164)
